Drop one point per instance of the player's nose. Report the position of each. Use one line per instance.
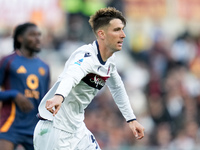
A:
(123, 35)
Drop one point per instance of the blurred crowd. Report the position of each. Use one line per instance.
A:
(161, 76)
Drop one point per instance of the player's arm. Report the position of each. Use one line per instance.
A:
(120, 96)
(53, 105)
(73, 74)
(137, 129)
(8, 94)
(14, 95)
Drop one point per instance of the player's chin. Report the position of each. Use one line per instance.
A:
(119, 48)
(36, 50)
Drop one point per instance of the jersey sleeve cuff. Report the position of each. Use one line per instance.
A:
(7, 95)
(131, 120)
(62, 97)
(13, 93)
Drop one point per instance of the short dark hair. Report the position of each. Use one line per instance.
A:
(103, 17)
(20, 30)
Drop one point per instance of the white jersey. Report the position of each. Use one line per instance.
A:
(85, 73)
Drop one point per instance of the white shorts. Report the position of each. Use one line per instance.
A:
(47, 137)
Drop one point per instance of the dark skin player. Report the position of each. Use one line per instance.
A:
(30, 43)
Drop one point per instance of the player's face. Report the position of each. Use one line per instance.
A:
(32, 39)
(114, 35)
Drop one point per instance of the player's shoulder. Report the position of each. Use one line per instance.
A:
(8, 58)
(86, 50)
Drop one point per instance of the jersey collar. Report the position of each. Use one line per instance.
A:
(99, 55)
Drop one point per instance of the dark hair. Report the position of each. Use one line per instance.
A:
(20, 30)
(103, 17)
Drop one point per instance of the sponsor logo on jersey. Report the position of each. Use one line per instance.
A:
(95, 81)
(87, 55)
(79, 62)
(21, 69)
(32, 94)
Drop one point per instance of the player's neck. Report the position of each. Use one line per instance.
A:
(26, 53)
(104, 52)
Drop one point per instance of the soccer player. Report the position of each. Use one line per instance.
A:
(87, 70)
(24, 80)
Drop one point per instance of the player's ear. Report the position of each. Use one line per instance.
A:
(101, 34)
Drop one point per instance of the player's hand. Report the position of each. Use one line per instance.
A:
(23, 103)
(54, 102)
(137, 128)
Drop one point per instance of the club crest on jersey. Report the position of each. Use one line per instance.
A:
(79, 62)
(87, 55)
(41, 71)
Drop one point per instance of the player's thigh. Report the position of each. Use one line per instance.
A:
(47, 137)
(88, 142)
(6, 145)
(42, 135)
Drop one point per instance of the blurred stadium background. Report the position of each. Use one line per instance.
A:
(159, 64)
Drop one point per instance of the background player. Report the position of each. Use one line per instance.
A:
(24, 80)
(88, 69)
